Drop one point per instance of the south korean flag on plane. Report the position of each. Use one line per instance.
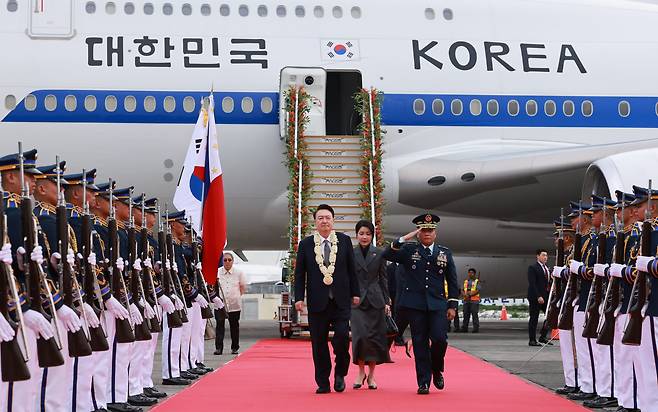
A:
(340, 50)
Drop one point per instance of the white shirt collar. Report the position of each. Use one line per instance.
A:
(430, 247)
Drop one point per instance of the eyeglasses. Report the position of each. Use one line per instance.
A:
(228, 260)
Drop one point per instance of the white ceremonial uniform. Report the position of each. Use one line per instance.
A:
(149, 355)
(567, 354)
(22, 396)
(56, 385)
(120, 353)
(645, 359)
(171, 341)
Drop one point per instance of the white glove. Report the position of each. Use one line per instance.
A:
(599, 269)
(37, 255)
(135, 315)
(574, 266)
(5, 254)
(6, 331)
(91, 259)
(557, 271)
(166, 303)
(174, 266)
(147, 263)
(198, 266)
(116, 309)
(119, 264)
(615, 269)
(177, 303)
(92, 319)
(55, 258)
(69, 318)
(201, 301)
(642, 263)
(70, 257)
(38, 324)
(217, 303)
(137, 265)
(167, 264)
(149, 312)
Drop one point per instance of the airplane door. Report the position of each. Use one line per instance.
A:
(51, 18)
(314, 80)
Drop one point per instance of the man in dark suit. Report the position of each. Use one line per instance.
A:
(325, 275)
(427, 266)
(538, 276)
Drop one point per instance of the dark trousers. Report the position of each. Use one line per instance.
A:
(535, 308)
(430, 342)
(402, 321)
(471, 309)
(318, 324)
(234, 325)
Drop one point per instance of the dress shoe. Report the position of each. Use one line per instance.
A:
(141, 400)
(123, 407)
(545, 341)
(323, 390)
(339, 383)
(197, 371)
(188, 376)
(359, 383)
(154, 393)
(176, 381)
(218, 352)
(601, 402)
(438, 380)
(423, 390)
(534, 343)
(581, 396)
(202, 366)
(565, 390)
(371, 384)
(234, 351)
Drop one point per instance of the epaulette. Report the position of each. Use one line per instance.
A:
(121, 225)
(44, 209)
(100, 221)
(11, 199)
(76, 211)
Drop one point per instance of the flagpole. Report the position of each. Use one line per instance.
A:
(203, 184)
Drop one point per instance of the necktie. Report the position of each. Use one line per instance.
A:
(327, 252)
(428, 252)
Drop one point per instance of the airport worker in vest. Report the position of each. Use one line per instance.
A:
(471, 302)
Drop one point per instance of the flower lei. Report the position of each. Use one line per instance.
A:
(327, 271)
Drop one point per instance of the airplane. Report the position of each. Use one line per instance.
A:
(496, 112)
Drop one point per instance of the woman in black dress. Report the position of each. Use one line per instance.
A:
(369, 343)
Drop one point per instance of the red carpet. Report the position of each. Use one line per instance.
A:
(277, 375)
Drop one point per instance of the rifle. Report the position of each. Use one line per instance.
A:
(565, 318)
(178, 288)
(636, 307)
(49, 351)
(592, 313)
(147, 275)
(606, 332)
(142, 331)
(90, 282)
(173, 319)
(13, 358)
(553, 308)
(206, 313)
(124, 329)
(78, 341)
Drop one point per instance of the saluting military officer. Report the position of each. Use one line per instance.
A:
(427, 266)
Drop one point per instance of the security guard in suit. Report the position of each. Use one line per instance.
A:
(427, 266)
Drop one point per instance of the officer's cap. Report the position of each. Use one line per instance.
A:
(12, 162)
(584, 208)
(598, 203)
(627, 198)
(176, 217)
(49, 172)
(426, 221)
(104, 188)
(137, 200)
(123, 194)
(642, 195)
(150, 205)
(566, 227)
(75, 179)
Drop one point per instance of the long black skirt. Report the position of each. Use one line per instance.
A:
(369, 343)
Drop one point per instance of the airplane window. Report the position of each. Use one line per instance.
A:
(568, 107)
(456, 107)
(12, 6)
(90, 7)
(436, 181)
(224, 10)
(130, 103)
(243, 10)
(70, 103)
(266, 105)
(90, 103)
(129, 8)
(437, 107)
(167, 9)
(531, 107)
(148, 8)
(281, 11)
(189, 104)
(624, 108)
(169, 104)
(205, 9)
(429, 14)
(111, 103)
(149, 104)
(447, 14)
(492, 107)
(186, 9)
(30, 102)
(337, 12)
(513, 107)
(419, 106)
(475, 107)
(227, 104)
(318, 12)
(10, 102)
(262, 10)
(300, 11)
(656, 108)
(50, 102)
(110, 7)
(247, 105)
(549, 108)
(356, 12)
(587, 108)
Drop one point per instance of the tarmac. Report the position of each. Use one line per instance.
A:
(502, 343)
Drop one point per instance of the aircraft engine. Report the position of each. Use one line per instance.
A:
(620, 172)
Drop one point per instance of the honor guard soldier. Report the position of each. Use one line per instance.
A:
(426, 266)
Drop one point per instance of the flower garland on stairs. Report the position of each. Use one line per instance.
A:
(362, 101)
